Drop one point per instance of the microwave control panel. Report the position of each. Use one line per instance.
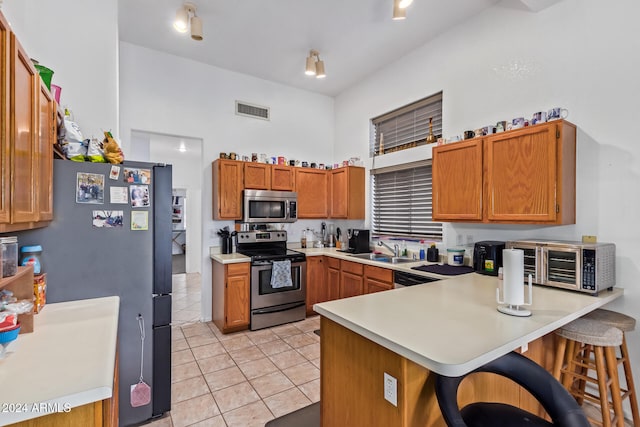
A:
(589, 269)
(293, 210)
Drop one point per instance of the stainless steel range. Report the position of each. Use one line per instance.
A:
(278, 278)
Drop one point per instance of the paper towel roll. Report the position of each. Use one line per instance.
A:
(513, 276)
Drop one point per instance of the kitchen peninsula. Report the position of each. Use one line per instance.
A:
(64, 372)
(449, 327)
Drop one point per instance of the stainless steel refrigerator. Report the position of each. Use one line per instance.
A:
(100, 244)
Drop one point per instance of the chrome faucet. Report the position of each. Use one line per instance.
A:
(395, 248)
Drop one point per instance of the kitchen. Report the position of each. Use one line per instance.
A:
(470, 57)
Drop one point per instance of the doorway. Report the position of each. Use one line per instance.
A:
(185, 156)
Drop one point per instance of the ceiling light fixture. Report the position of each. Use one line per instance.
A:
(315, 66)
(400, 9)
(185, 17)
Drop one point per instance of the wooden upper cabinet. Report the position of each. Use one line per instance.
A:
(257, 176)
(525, 176)
(283, 178)
(5, 128)
(457, 181)
(530, 175)
(24, 95)
(44, 153)
(312, 188)
(227, 189)
(346, 193)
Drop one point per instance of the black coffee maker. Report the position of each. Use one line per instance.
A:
(487, 257)
(358, 241)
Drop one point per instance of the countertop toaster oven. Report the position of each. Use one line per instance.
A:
(577, 266)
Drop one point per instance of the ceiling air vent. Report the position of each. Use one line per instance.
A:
(249, 110)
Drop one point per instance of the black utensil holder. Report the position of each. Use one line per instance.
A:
(226, 245)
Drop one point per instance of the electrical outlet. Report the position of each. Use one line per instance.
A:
(458, 239)
(391, 389)
(469, 239)
(524, 348)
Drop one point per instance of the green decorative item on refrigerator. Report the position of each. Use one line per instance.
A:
(45, 74)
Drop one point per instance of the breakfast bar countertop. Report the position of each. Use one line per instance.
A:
(67, 361)
(452, 326)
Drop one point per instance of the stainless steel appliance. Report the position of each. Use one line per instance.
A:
(84, 260)
(403, 279)
(261, 206)
(273, 304)
(577, 266)
(487, 257)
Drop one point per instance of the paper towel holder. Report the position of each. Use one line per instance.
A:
(515, 309)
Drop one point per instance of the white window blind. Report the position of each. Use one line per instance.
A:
(407, 126)
(401, 202)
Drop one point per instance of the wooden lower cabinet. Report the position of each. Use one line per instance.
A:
(352, 386)
(102, 413)
(317, 289)
(377, 279)
(351, 280)
(230, 296)
(333, 278)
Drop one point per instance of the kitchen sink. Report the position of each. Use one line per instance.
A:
(401, 260)
(384, 258)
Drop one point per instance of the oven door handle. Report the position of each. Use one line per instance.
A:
(279, 308)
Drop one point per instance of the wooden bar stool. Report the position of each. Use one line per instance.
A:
(625, 324)
(578, 340)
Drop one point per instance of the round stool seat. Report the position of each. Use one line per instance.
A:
(612, 318)
(591, 332)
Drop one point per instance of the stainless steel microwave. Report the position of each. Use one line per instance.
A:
(577, 266)
(262, 206)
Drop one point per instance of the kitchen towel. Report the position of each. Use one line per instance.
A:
(513, 276)
(281, 274)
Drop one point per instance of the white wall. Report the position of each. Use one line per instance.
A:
(78, 40)
(166, 94)
(574, 63)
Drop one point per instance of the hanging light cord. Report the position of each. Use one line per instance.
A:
(141, 325)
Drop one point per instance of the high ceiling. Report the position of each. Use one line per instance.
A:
(270, 39)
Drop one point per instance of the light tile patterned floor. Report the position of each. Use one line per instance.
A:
(185, 301)
(243, 379)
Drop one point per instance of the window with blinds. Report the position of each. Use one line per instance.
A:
(401, 202)
(406, 127)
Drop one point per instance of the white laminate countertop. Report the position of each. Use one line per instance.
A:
(214, 253)
(452, 326)
(68, 360)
